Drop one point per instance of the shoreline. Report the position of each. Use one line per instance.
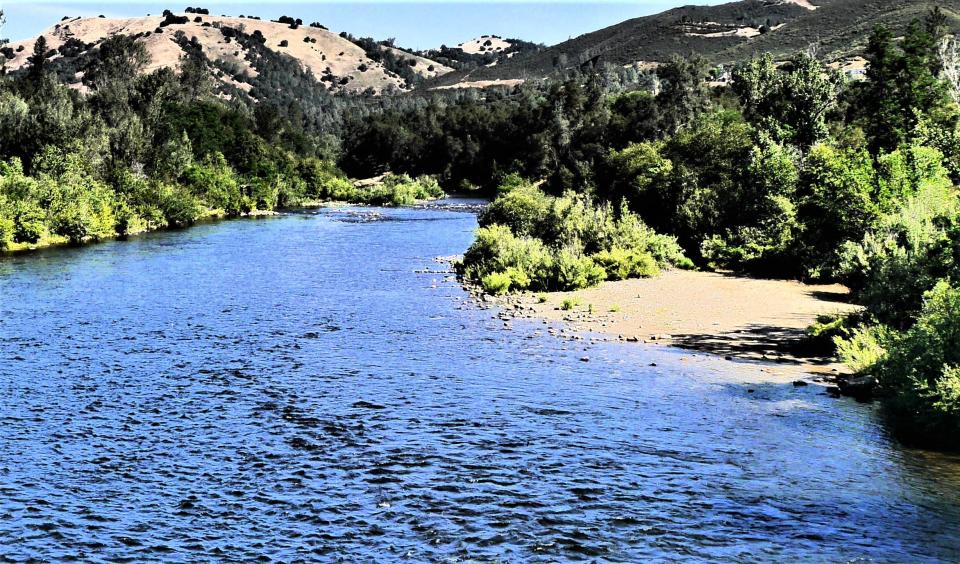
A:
(745, 320)
(213, 216)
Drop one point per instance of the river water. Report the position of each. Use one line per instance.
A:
(298, 388)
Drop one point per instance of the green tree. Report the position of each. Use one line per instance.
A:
(836, 204)
(903, 85)
(682, 93)
(38, 60)
(119, 61)
(790, 104)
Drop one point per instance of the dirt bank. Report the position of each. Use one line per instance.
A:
(730, 316)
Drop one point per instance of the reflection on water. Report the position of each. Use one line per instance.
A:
(292, 388)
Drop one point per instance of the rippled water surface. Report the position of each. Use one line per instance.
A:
(298, 388)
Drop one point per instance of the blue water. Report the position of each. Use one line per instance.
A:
(293, 388)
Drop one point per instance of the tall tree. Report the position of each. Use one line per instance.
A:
(683, 93)
(903, 84)
(119, 61)
(791, 104)
(38, 60)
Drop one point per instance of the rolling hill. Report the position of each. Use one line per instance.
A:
(338, 62)
(723, 33)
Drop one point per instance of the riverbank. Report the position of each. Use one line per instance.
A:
(49, 241)
(737, 318)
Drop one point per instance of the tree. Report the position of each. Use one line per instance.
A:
(195, 79)
(902, 85)
(38, 60)
(120, 59)
(837, 204)
(790, 104)
(683, 92)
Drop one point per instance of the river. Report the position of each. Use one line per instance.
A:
(298, 388)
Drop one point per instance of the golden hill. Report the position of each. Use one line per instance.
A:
(338, 63)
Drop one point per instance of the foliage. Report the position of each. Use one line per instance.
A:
(863, 347)
(918, 374)
(620, 264)
(496, 283)
(835, 204)
(790, 104)
(549, 243)
(902, 84)
(910, 248)
(522, 207)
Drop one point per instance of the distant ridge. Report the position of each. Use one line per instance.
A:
(723, 33)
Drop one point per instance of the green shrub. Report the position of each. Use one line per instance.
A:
(574, 271)
(837, 204)
(920, 375)
(621, 264)
(522, 208)
(496, 249)
(569, 303)
(401, 190)
(128, 221)
(216, 184)
(905, 255)
(511, 182)
(177, 205)
(863, 348)
(338, 190)
(29, 222)
(6, 224)
(564, 243)
(519, 278)
(496, 283)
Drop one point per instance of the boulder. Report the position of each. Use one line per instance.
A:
(859, 387)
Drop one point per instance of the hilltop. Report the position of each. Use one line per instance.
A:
(724, 33)
(339, 62)
(240, 50)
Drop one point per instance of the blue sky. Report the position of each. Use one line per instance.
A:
(417, 25)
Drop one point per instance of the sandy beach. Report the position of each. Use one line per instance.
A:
(732, 317)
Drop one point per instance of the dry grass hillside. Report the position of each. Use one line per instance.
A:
(484, 44)
(722, 34)
(338, 63)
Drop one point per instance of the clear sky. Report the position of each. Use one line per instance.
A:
(417, 25)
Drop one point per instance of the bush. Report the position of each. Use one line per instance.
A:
(29, 222)
(496, 283)
(920, 375)
(177, 205)
(564, 243)
(574, 271)
(837, 204)
(216, 184)
(905, 255)
(863, 348)
(6, 224)
(339, 189)
(401, 190)
(621, 264)
(522, 208)
(497, 249)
